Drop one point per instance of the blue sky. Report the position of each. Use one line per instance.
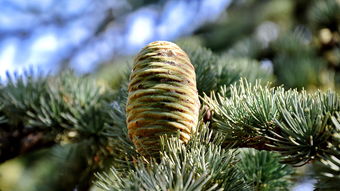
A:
(49, 44)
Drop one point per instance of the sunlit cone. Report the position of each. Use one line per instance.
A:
(163, 98)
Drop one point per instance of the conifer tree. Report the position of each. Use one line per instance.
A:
(255, 127)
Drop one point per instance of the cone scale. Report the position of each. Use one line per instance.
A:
(162, 98)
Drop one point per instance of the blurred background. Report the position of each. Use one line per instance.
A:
(84, 34)
(296, 41)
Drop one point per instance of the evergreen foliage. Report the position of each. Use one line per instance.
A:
(213, 71)
(53, 102)
(252, 132)
(22, 95)
(202, 164)
(73, 110)
(327, 170)
(263, 170)
(296, 124)
(42, 111)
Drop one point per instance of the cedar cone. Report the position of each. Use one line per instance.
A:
(163, 98)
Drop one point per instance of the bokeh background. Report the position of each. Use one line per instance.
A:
(296, 41)
(83, 34)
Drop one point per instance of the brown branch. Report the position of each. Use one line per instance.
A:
(257, 142)
(17, 142)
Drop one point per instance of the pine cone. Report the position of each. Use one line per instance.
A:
(163, 98)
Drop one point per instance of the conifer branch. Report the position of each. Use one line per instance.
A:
(294, 123)
(263, 171)
(327, 170)
(42, 111)
(19, 96)
(200, 165)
